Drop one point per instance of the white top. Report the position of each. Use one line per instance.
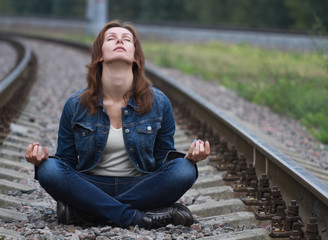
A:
(115, 161)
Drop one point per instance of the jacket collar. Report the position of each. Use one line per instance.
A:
(132, 103)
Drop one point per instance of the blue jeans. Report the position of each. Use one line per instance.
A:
(119, 199)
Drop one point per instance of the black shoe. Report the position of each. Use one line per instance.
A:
(145, 223)
(177, 214)
(64, 213)
(67, 215)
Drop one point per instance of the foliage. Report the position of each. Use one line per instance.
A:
(53, 8)
(280, 14)
(291, 83)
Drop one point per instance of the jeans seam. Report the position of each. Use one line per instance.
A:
(104, 183)
(135, 213)
(95, 181)
(144, 180)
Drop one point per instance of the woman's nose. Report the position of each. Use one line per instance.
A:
(119, 40)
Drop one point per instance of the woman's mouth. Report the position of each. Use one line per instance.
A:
(120, 48)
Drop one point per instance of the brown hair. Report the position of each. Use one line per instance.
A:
(141, 91)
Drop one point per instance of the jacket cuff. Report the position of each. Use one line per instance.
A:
(174, 154)
(35, 172)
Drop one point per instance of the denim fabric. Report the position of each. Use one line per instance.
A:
(117, 198)
(148, 138)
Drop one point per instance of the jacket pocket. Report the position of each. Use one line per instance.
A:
(147, 134)
(84, 136)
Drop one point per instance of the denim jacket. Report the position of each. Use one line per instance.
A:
(148, 138)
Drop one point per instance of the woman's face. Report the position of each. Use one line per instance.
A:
(118, 45)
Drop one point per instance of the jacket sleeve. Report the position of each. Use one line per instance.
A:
(164, 142)
(66, 149)
(66, 142)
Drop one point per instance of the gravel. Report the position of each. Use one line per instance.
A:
(41, 224)
(61, 73)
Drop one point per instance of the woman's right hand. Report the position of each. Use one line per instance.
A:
(34, 154)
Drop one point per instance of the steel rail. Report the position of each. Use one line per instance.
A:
(294, 181)
(13, 81)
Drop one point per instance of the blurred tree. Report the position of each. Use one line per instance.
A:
(301, 13)
(64, 8)
(305, 14)
(58, 8)
(32, 7)
(283, 14)
(124, 9)
(5, 7)
(207, 11)
(269, 13)
(158, 10)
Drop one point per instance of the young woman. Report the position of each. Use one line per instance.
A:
(115, 157)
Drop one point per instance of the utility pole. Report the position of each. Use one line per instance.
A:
(96, 14)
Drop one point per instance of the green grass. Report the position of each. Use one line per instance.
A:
(291, 83)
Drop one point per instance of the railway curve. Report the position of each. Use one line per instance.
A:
(15, 85)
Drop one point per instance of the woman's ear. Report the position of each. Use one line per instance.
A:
(136, 62)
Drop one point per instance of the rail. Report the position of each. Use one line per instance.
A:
(294, 181)
(15, 85)
(12, 81)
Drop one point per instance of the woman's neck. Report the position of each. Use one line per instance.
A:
(117, 80)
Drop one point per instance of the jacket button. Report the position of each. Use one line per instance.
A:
(127, 130)
(126, 112)
(83, 134)
(149, 128)
(131, 149)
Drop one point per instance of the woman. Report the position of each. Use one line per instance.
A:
(115, 157)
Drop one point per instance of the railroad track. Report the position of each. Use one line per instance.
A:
(215, 201)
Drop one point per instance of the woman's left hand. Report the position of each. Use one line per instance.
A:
(198, 151)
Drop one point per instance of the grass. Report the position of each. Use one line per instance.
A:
(291, 83)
